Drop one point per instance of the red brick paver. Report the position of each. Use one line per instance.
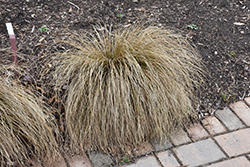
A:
(145, 148)
(180, 137)
(167, 159)
(197, 132)
(242, 110)
(199, 153)
(161, 146)
(100, 159)
(34, 162)
(58, 162)
(247, 100)
(235, 143)
(213, 125)
(229, 119)
(149, 161)
(232, 139)
(235, 162)
(78, 160)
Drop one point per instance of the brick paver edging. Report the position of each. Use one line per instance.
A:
(221, 140)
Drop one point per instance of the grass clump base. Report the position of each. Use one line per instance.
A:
(26, 127)
(126, 85)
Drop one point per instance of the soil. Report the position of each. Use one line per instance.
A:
(222, 37)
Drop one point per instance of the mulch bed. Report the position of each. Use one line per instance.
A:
(222, 37)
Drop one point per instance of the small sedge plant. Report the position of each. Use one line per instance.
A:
(231, 54)
(193, 27)
(119, 15)
(43, 29)
(226, 97)
(125, 160)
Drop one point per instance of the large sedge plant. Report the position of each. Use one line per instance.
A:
(126, 85)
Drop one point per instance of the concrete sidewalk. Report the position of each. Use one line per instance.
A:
(221, 140)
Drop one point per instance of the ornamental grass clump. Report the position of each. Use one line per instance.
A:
(26, 127)
(126, 86)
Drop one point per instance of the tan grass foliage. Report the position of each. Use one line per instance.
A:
(126, 85)
(25, 126)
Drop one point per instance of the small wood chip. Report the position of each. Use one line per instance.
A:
(41, 40)
(70, 10)
(38, 44)
(239, 24)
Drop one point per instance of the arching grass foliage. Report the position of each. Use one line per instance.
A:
(26, 128)
(126, 85)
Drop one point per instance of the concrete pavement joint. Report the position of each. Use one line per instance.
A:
(63, 155)
(87, 154)
(161, 146)
(220, 147)
(158, 159)
(227, 132)
(210, 163)
(224, 159)
(206, 151)
(176, 157)
(211, 136)
(173, 145)
(245, 101)
(237, 116)
(229, 125)
(185, 129)
(248, 157)
(170, 149)
(235, 143)
(240, 161)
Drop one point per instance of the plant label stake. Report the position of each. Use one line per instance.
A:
(12, 42)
